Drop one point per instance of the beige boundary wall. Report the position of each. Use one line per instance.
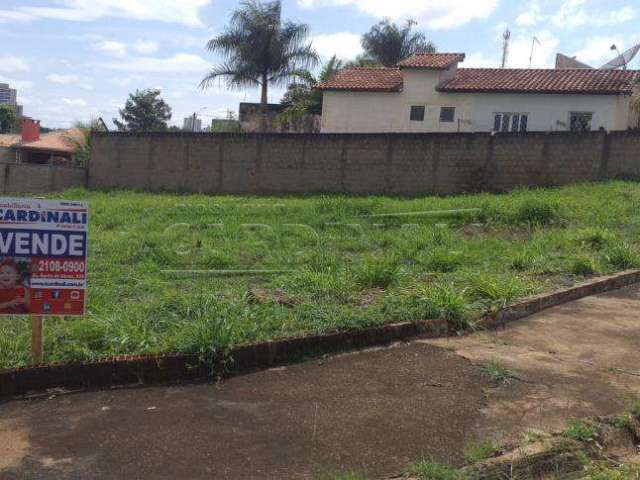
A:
(358, 163)
(18, 178)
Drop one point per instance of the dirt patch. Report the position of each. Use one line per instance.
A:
(14, 444)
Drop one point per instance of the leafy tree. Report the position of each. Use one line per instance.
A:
(260, 49)
(145, 111)
(388, 44)
(302, 97)
(7, 118)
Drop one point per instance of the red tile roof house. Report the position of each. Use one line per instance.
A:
(57, 147)
(429, 93)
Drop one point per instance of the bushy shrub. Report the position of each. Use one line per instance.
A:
(623, 256)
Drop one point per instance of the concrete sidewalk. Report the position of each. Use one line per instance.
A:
(371, 411)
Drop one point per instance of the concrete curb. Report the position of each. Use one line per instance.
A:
(182, 368)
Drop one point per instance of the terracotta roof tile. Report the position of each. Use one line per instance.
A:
(436, 61)
(361, 79)
(541, 81)
(59, 141)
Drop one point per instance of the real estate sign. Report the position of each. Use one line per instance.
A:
(43, 256)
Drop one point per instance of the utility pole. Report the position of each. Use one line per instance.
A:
(506, 37)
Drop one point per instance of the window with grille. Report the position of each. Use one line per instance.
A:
(510, 122)
(447, 114)
(580, 121)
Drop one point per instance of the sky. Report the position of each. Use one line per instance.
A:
(73, 60)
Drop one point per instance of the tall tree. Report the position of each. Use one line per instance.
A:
(302, 97)
(260, 49)
(144, 111)
(7, 118)
(388, 44)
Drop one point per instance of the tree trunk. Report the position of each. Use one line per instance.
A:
(263, 104)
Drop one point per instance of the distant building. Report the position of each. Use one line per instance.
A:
(9, 96)
(192, 124)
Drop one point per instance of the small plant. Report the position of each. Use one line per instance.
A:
(480, 451)
(497, 372)
(376, 273)
(427, 470)
(580, 431)
(445, 302)
(534, 436)
(525, 261)
(443, 261)
(535, 212)
(584, 266)
(620, 421)
(596, 238)
(635, 410)
(623, 256)
(498, 291)
(605, 471)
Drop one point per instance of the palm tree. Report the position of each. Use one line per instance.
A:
(388, 44)
(260, 49)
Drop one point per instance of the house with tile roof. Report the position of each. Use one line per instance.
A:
(56, 147)
(430, 93)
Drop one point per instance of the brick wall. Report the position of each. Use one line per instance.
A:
(358, 163)
(17, 178)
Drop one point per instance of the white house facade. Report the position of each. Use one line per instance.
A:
(429, 93)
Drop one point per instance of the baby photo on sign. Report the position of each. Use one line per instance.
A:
(14, 286)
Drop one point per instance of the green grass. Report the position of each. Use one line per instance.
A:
(427, 470)
(581, 431)
(340, 267)
(480, 451)
(497, 372)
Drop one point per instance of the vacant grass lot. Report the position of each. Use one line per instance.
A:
(328, 262)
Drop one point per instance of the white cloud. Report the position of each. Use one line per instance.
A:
(74, 102)
(480, 60)
(531, 16)
(345, 45)
(82, 82)
(543, 52)
(125, 81)
(177, 11)
(597, 50)
(113, 48)
(574, 13)
(179, 63)
(11, 64)
(63, 79)
(435, 14)
(145, 47)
